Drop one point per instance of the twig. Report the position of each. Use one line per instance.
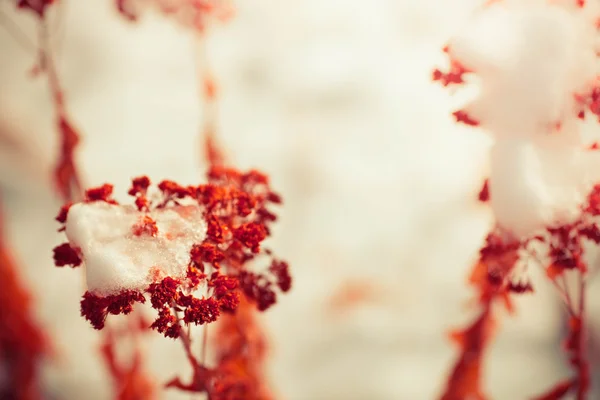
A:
(204, 344)
(570, 304)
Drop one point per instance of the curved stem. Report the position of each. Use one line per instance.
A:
(582, 364)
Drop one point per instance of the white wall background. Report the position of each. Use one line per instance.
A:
(331, 98)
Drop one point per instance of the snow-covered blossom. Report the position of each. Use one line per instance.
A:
(532, 63)
(172, 242)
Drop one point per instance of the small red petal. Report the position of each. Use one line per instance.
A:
(463, 117)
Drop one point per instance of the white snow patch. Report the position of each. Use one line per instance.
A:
(116, 259)
(531, 58)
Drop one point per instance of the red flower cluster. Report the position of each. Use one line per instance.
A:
(259, 287)
(64, 254)
(235, 208)
(168, 297)
(96, 308)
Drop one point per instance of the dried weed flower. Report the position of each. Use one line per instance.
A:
(193, 252)
(534, 61)
(64, 254)
(227, 225)
(197, 245)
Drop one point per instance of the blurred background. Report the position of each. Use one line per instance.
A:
(333, 100)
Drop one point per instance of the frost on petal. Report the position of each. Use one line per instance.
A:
(116, 258)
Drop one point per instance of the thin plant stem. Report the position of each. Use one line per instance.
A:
(185, 339)
(47, 64)
(570, 304)
(563, 295)
(204, 348)
(583, 364)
